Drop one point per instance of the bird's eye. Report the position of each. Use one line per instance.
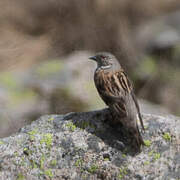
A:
(103, 57)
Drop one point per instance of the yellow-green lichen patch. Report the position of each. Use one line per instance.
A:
(145, 127)
(16, 154)
(71, 126)
(93, 168)
(32, 134)
(1, 142)
(53, 162)
(167, 136)
(147, 143)
(48, 173)
(20, 176)
(42, 162)
(124, 155)
(47, 139)
(146, 162)
(49, 68)
(86, 124)
(106, 159)
(33, 164)
(27, 151)
(22, 161)
(50, 119)
(122, 172)
(151, 153)
(156, 156)
(79, 163)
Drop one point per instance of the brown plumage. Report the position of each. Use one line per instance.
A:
(116, 91)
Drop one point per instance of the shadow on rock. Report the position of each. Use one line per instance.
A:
(98, 123)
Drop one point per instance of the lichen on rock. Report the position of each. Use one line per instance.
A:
(84, 146)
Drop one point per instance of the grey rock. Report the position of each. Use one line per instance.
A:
(84, 146)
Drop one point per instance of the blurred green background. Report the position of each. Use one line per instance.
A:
(45, 45)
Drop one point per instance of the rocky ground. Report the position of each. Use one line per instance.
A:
(83, 146)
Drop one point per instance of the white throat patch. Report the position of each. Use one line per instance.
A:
(106, 67)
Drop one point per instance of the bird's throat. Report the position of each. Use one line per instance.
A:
(106, 67)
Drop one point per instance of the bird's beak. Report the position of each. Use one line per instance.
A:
(93, 58)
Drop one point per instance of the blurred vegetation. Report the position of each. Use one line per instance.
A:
(49, 68)
(34, 33)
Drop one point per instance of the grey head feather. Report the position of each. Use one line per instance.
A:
(106, 61)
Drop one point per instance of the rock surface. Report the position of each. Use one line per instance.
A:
(84, 146)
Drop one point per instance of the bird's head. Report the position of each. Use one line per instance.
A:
(104, 60)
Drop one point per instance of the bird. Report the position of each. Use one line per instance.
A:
(116, 90)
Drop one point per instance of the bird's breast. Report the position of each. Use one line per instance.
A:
(110, 82)
(102, 80)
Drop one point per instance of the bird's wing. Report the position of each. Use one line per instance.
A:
(117, 102)
(122, 89)
(113, 88)
(128, 88)
(116, 89)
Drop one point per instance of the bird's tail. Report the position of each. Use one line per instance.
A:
(137, 139)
